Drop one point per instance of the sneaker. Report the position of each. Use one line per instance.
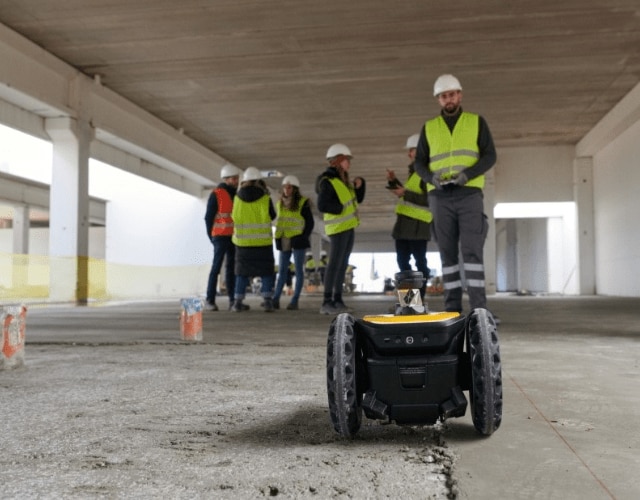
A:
(210, 306)
(276, 303)
(328, 308)
(292, 307)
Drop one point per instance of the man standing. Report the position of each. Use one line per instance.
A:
(220, 229)
(455, 150)
(411, 231)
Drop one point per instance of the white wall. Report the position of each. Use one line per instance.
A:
(39, 241)
(544, 246)
(617, 209)
(530, 174)
(533, 272)
(156, 241)
(529, 184)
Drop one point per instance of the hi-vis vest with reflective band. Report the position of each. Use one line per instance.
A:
(451, 152)
(348, 218)
(252, 223)
(222, 222)
(290, 223)
(403, 207)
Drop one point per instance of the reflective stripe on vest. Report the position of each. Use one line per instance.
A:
(418, 212)
(289, 223)
(348, 218)
(451, 153)
(222, 222)
(252, 224)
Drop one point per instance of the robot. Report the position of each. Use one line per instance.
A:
(414, 366)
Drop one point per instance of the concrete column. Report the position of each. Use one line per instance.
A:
(69, 209)
(583, 197)
(490, 243)
(21, 225)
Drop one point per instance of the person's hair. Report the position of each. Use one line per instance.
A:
(335, 163)
(257, 182)
(296, 197)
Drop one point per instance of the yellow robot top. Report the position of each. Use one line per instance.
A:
(411, 318)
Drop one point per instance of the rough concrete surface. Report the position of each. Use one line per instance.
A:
(184, 421)
(112, 404)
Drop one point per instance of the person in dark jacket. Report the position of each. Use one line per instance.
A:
(411, 231)
(293, 229)
(338, 200)
(454, 152)
(252, 215)
(219, 229)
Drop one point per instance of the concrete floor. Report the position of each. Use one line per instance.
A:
(570, 367)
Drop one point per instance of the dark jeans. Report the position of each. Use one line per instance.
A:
(339, 253)
(222, 246)
(418, 248)
(283, 272)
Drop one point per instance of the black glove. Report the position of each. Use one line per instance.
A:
(461, 180)
(435, 180)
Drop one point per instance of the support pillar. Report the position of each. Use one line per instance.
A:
(20, 267)
(490, 242)
(21, 225)
(583, 197)
(69, 209)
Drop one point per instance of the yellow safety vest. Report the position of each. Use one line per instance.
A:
(289, 223)
(403, 207)
(451, 153)
(348, 218)
(252, 223)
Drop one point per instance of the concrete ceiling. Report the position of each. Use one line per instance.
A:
(273, 84)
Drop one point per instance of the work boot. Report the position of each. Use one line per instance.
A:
(245, 307)
(340, 306)
(268, 305)
(238, 306)
(328, 308)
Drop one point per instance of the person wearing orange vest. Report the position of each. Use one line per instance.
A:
(219, 226)
(411, 232)
(454, 152)
(338, 200)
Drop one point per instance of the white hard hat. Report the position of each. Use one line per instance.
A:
(251, 174)
(338, 149)
(291, 179)
(444, 83)
(412, 141)
(229, 171)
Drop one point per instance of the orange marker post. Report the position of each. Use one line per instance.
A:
(14, 325)
(191, 319)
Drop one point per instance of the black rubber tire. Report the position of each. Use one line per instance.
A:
(485, 393)
(345, 408)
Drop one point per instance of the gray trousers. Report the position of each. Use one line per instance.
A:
(339, 252)
(460, 228)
